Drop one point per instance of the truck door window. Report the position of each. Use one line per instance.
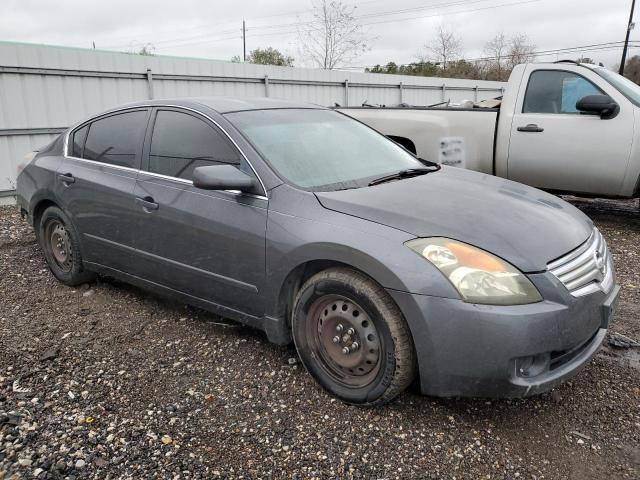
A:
(553, 91)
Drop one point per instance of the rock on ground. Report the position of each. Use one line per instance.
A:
(123, 384)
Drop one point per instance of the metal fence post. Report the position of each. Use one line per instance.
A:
(266, 85)
(401, 93)
(346, 92)
(150, 83)
(444, 92)
(475, 94)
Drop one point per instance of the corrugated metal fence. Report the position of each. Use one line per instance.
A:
(44, 89)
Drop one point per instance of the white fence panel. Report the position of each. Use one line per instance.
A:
(44, 89)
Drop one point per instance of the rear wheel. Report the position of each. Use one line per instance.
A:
(59, 242)
(352, 337)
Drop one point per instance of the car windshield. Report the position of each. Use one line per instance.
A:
(321, 150)
(624, 85)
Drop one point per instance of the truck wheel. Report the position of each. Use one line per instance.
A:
(352, 337)
(59, 241)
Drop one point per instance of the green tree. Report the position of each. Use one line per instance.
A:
(269, 56)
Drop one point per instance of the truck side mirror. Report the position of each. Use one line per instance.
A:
(602, 105)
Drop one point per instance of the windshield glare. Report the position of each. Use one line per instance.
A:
(321, 149)
(623, 84)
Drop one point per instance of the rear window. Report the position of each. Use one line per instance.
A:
(117, 139)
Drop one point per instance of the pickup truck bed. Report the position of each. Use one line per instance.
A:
(465, 140)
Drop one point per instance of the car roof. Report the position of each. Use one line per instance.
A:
(227, 104)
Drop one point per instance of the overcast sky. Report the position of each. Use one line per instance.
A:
(398, 29)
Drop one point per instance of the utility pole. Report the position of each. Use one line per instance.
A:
(626, 41)
(244, 40)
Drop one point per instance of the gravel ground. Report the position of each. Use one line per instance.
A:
(108, 381)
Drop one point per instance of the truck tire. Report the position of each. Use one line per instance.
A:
(59, 241)
(352, 337)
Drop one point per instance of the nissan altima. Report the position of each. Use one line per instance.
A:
(382, 268)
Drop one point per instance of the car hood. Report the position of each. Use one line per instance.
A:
(523, 225)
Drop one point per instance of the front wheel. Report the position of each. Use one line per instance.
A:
(352, 337)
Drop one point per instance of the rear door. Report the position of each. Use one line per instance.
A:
(555, 147)
(96, 182)
(208, 244)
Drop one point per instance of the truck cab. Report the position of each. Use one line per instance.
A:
(543, 139)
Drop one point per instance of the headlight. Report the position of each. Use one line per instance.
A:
(478, 276)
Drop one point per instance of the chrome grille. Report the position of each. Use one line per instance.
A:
(586, 269)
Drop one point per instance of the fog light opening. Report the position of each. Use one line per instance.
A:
(532, 366)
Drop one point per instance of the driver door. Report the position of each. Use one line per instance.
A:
(206, 244)
(555, 147)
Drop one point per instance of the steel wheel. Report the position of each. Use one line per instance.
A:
(345, 339)
(59, 243)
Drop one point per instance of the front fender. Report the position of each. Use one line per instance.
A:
(376, 250)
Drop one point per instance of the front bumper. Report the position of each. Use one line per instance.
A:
(475, 350)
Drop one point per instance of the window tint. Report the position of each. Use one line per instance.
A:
(556, 92)
(78, 141)
(116, 139)
(182, 142)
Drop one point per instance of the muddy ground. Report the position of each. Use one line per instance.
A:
(108, 381)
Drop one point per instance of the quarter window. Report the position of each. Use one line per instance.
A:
(116, 139)
(556, 92)
(182, 142)
(79, 137)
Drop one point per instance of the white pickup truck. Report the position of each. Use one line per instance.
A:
(564, 127)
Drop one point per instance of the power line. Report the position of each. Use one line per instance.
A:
(288, 31)
(576, 49)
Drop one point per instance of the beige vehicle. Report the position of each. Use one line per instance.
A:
(564, 127)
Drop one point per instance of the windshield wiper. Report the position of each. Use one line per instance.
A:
(408, 173)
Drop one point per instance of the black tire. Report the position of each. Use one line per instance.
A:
(59, 241)
(340, 310)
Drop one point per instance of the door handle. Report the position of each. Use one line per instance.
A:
(66, 178)
(147, 203)
(532, 127)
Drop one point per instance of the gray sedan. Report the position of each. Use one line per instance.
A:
(300, 221)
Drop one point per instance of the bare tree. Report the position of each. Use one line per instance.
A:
(521, 50)
(632, 69)
(496, 53)
(147, 49)
(445, 47)
(334, 36)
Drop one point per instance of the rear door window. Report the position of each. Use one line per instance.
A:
(553, 91)
(117, 139)
(182, 142)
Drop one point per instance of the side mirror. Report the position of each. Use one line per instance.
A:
(602, 105)
(222, 177)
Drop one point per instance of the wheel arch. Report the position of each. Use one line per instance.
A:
(404, 142)
(38, 206)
